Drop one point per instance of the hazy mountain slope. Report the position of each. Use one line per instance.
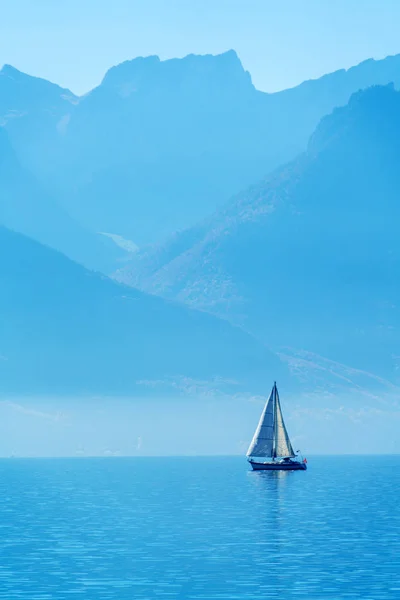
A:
(297, 111)
(26, 207)
(66, 329)
(158, 145)
(155, 130)
(31, 109)
(21, 94)
(175, 139)
(311, 256)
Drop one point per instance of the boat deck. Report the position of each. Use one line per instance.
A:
(278, 466)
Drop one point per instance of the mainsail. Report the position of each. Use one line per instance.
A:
(271, 438)
(263, 441)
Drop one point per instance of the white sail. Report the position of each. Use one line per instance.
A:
(283, 447)
(263, 440)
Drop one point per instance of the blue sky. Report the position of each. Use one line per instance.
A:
(281, 42)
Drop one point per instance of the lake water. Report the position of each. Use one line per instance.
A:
(199, 528)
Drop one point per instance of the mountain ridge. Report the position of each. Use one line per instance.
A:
(155, 132)
(69, 330)
(173, 71)
(26, 207)
(321, 229)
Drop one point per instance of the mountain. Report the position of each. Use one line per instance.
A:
(153, 131)
(158, 145)
(22, 94)
(310, 257)
(27, 207)
(64, 329)
(32, 109)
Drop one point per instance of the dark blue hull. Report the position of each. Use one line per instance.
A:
(278, 466)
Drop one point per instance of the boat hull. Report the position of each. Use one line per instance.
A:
(278, 466)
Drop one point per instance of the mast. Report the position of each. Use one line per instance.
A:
(274, 413)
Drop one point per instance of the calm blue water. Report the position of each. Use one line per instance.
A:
(199, 528)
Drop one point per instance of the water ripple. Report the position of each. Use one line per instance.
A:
(199, 529)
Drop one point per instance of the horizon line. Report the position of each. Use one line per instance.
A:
(191, 456)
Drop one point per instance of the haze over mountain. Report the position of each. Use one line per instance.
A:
(27, 207)
(310, 257)
(65, 329)
(158, 145)
(31, 109)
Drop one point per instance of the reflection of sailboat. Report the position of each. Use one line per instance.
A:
(272, 501)
(273, 475)
(270, 449)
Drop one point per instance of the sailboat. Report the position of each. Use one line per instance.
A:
(270, 448)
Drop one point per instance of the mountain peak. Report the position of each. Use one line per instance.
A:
(229, 57)
(10, 71)
(221, 70)
(12, 76)
(376, 109)
(373, 95)
(130, 69)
